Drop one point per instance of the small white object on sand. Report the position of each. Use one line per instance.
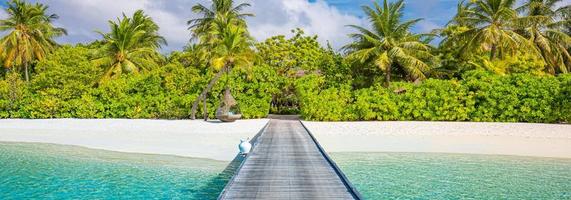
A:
(191, 138)
(245, 146)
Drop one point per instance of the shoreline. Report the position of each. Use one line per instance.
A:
(107, 151)
(510, 139)
(218, 141)
(187, 138)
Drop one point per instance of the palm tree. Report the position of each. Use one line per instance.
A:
(31, 34)
(462, 11)
(151, 36)
(389, 45)
(221, 23)
(201, 26)
(491, 29)
(130, 46)
(542, 25)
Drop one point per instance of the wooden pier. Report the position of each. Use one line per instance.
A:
(287, 162)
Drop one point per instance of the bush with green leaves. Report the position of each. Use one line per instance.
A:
(563, 102)
(329, 104)
(64, 86)
(480, 96)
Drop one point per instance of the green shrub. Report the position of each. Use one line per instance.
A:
(64, 87)
(330, 104)
(480, 96)
(375, 103)
(435, 100)
(12, 94)
(563, 102)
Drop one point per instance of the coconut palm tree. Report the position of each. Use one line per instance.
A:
(232, 51)
(200, 27)
(31, 34)
(456, 25)
(543, 24)
(221, 23)
(491, 29)
(130, 47)
(146, 23)
(389, 45)
(462, 11)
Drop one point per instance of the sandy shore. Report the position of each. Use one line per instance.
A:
(544, 140)
(219, 140)
(196, 138)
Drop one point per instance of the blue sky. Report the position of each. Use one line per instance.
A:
(325, 18)
(436, 13)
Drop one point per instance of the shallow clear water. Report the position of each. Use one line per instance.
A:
(455, 176)
(44, 171)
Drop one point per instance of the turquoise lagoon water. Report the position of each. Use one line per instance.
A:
(43, 171)
(456, 176)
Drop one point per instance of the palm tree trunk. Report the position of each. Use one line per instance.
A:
(205, 107)
(26, 72)
(493, 52)
(204, 93)
(388, 77)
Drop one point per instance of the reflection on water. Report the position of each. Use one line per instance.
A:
(64, 172)
(456, 176)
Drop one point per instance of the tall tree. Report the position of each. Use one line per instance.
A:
(462, 11)
(389, 44)
(491, 29)
(201, 26)
(130, 47)
(219, 25)
(31, 34)
(544, 24)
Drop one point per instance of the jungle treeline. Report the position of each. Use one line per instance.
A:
(496, 60)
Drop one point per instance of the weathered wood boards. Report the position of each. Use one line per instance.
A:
(287, 164)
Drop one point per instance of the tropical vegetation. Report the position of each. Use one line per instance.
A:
(497, 60)
(130, 47)
(30, 36)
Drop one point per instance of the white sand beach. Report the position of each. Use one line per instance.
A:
(521, 139)
(214, 140)
(191, 138)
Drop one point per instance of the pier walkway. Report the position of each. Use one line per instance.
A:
(287, 163)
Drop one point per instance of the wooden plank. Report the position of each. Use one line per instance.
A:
(286, 163)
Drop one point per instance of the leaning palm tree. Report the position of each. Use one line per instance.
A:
(31, 34)
(212, 29)
(232, 50)
(491, 29)
(389, 45)
(542, 23)
(130, 47)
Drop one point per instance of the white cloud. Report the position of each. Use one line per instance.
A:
(426, 26)
(273, 17)
(564, 3)
(3, 14)
(82, 18)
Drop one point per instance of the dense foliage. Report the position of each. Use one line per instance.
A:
(480, 96)
(30, 36)
(496, 62)
(63, 88)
